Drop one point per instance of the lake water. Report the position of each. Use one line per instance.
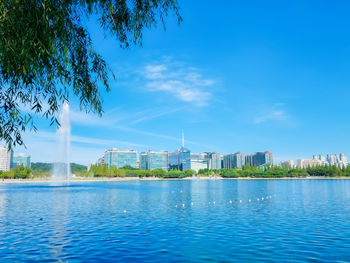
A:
(162, 221)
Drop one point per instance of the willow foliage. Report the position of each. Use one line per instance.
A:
(46, 53)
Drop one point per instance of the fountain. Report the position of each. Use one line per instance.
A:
(61, 168)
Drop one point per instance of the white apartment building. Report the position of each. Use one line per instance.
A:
(287, 164)
(5, 159)
(305, 163)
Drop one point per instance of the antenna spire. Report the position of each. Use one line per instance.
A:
(183, 139)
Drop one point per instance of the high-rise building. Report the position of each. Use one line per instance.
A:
(259, 158)
(320, 157)
(305, 163)
(120, 158)
(343, 159)
(214, 160)
(21, 160)
(339, 160)
(249, 159)
(143, 161)
(180, 159)
(287, 164)
(228, 161)
(157, 159)
(262, 158)
(236, 160)
(332, 159)
(5, 159)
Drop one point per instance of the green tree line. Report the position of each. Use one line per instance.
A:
(43, 170)
(279, 172)
(246, 171)
(104, 171)
(39, 170)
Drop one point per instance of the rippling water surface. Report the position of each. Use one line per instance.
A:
(161, 221)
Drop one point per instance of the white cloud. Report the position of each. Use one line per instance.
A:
(51, 136)
(272, 115)
(156, 114)
(184, 83)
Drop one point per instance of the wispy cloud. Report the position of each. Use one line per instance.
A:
(184, 83)
(113, 122)
(272, 112)
(118, 116)
(51, 136)
(273, 115)
(157, 114)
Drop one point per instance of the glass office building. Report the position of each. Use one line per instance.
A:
(21, 160)
(236, 160)
(120, 158)
(180, 160)
(259, 158)
(157, 159)
(143, 161)
(214, 160)
(262, 158)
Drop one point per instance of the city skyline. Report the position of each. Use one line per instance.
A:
(276, 161)
(277, 87)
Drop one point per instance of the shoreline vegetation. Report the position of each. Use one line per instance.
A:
(40, 172)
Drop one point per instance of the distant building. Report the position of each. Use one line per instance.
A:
(287, 164)
(249, 160)
(228, 161)
(120, 158)
(343, 159)
(5, 159)
(198, 164)
(339, 160)
(101, 161)
(320, 157)
(180, 159)
(262, 158)
(206, 160)
(157, 159)
(214, 160)
(236, 160)
(21, 160)
(143, 161)
(305, 163)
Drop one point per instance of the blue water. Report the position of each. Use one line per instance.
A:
(163, 221)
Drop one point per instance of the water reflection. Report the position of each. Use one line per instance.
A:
(193, 220)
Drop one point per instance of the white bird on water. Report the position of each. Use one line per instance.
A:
(230, 201)
(240, 201)
(124, 211)
(249, 200)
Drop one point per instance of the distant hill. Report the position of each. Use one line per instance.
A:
(46, 167)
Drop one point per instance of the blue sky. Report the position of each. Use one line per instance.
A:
(235, 75)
